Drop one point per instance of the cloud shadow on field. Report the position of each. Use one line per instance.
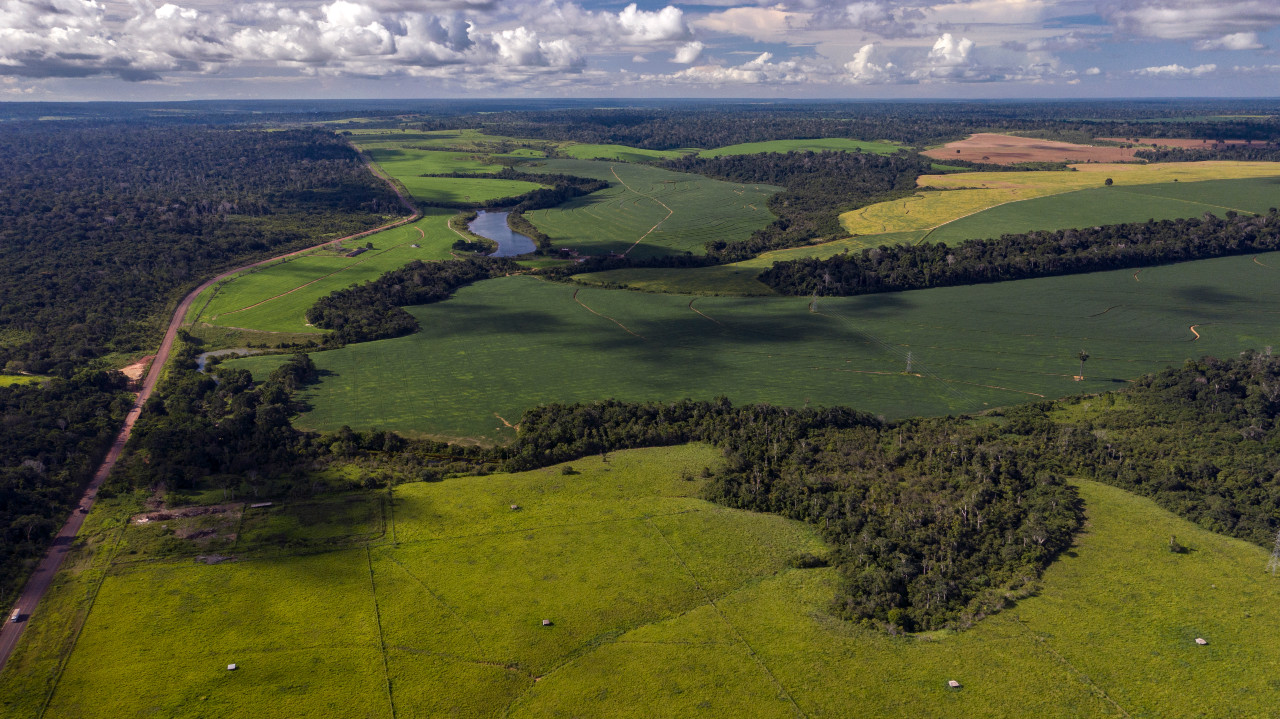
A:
(875, 306)
(476, 319)
(1207, 295)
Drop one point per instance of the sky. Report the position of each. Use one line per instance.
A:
(831, 49)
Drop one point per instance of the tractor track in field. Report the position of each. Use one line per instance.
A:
(1258, 262)
(607, 317)
(701, 313)
(42, 578)
(670, 212)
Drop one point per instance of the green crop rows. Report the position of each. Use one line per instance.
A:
(673, 212)
(509, 344)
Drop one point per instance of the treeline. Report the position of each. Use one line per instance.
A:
(1261, 152)
(375, 309)
(102, 225)
(1200, 439)
(933, 523)
(913, 124)
(51, 440)
(817, 187)
(1034, 254)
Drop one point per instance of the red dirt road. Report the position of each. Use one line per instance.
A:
(42, 578)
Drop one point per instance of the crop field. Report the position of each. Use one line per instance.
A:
(970, 193)
(1115, 205)
(661, 605)
(403, 162)
(499, 347)
(647, 211)
(465, 140)
(621, 153)
(275, 298)
(730, 280)
(814, 145)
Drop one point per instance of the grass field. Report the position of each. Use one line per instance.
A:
(9, 380)
(275, 298)
(621, 153)
(814, 145)
(662, 605)
(665, 212)
(505, 345)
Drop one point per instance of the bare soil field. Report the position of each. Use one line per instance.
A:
(1173, 141)
(1009, 150)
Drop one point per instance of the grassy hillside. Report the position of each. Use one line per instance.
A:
(506, 345)
(661, 604)
(647, 211)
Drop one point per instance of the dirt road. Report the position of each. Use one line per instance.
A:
(42, 578)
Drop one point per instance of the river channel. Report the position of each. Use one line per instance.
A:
(493, 225)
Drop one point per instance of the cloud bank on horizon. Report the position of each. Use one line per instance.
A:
(92, 49)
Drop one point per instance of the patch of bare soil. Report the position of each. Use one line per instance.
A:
(1009, 150)
(136, 371)
(164, 515)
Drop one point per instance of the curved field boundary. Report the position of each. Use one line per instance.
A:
(670, 212)
(42, 578)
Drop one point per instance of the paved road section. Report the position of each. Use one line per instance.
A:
(42, 578)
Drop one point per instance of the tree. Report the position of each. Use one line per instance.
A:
(1109, 182)
(1084, 357)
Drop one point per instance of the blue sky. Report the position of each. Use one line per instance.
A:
(197, 49)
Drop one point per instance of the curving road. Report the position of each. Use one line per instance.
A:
(42, 578)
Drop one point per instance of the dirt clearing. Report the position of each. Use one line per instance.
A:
(1009, 150)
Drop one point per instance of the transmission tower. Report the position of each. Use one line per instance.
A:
(1274, 565)
(908, 363)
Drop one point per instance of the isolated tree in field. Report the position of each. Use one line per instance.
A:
(1109, 182)
(1084, 357)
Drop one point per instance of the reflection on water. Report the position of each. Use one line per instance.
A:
(493, 225)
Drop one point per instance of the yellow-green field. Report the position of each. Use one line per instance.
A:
(947, 198)
(661, 605)
(839, 144)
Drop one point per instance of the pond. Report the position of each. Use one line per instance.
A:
(493, 225)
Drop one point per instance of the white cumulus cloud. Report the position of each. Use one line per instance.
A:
(1234, 41)
(1176, 70)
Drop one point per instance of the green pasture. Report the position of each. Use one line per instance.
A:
(732, 280)
(1115, 205)
(466, 140)
(275, 298)
(404, 162)
(839, 144)
(621, 153)
(666, 212)
(463, 189)
(661, 605)
(503, 346)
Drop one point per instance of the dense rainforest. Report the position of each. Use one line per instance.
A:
(101, 226)
(51, 439)
(1034, 254)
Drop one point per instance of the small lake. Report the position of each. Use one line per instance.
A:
(493, 225)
